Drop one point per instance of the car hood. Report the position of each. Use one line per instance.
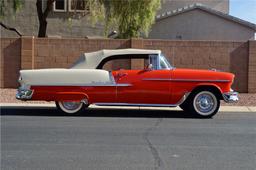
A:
(195, 74)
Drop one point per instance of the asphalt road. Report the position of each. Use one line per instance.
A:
(117, 139)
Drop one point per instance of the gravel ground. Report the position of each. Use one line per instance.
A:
(8, 96)
(245, 99)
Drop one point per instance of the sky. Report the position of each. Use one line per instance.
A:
(243, 9)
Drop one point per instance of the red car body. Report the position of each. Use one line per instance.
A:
(146, 87)
(139, 87)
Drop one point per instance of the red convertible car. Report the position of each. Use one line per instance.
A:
(158, 84)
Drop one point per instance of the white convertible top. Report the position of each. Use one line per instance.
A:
(93, 59)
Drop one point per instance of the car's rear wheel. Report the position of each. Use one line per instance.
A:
(70, 107)
(204, 104)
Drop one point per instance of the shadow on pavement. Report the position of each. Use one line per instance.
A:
(93, 112)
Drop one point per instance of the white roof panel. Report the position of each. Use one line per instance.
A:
(93, 59)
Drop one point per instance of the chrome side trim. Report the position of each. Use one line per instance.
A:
(183, 98)
(184, 80)
(199, 80)
(123, 84)
(134, 104)
(230, 97)
(90, 85)
(156, 79)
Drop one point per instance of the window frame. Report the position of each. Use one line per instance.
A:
(121, 56)
(60, 10)
(74, 10)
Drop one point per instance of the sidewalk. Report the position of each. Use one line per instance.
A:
(251, 109)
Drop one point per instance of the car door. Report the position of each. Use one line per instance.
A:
(143, 86)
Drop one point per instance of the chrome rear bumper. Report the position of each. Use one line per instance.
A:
(24, 94)
(230, 97)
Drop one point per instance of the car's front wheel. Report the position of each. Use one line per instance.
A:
(204, 104)
(70, 107)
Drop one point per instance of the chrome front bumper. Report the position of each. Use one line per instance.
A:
(230, 97)
(24, 94)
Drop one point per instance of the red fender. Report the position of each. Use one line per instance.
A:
(70, 96)
(59, 96)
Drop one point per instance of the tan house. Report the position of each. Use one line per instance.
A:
(219, 5)
(200, 22)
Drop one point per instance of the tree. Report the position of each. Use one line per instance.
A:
(95, 10)
(132, 17)
(4, 6)
(5, 10)
(8, 7)
(42, 15)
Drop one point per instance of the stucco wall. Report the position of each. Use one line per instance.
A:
(199, 25)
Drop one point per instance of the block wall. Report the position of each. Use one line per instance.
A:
(10, 62)
(36, 53)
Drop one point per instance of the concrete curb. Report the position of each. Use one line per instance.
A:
(250, 109)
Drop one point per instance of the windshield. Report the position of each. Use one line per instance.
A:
(163, 63)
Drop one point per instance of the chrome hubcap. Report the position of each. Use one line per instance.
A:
(205, 103)
(71, 105)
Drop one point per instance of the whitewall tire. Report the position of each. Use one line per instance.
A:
(70, 107)
(204, 104)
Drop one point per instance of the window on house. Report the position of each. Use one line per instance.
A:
(77, 5)
(60, 5)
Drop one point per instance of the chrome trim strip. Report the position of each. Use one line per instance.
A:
(156, 79)
(87, 85)
(184, 80)
(134, 104)
(183, 98)
(199, 80)
(123, 84)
